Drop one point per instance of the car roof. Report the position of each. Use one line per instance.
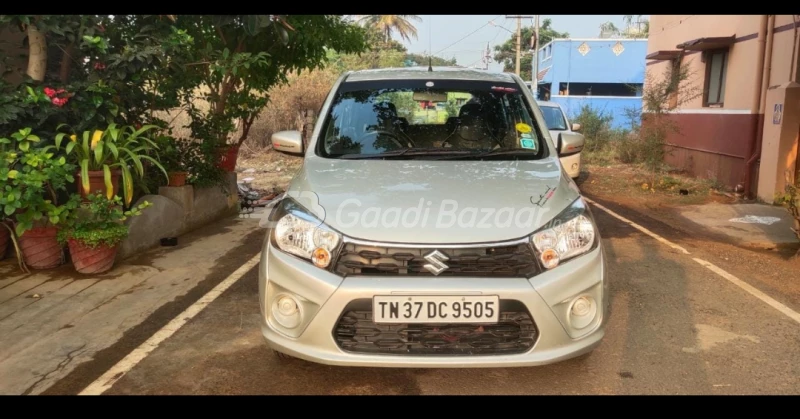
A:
(548, 104)
(438, 73)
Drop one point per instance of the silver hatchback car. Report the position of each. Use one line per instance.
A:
(431, 225)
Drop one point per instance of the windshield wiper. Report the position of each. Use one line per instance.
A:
(404, 153)
(492, 153)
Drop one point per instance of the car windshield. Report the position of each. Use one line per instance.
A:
(430, 119)
(554, 118)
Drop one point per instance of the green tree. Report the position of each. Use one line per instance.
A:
(506, 53)
(108, 69)
(608, 29)
(382, 54)
(422, 60)
(238, 58)
(376, 40)
(389, 24)
(636, 26)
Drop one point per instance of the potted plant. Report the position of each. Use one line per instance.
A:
(106, 155)
(94, 231)
(174, 156)
(228, 155)
(31, 179)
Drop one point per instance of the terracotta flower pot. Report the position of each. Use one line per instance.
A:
(177, 178)
(228, 156)
(40, 248)
(89, 260)
(97, 182)
(5, 239)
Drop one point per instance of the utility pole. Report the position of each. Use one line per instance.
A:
(519, 38)
(487, 57)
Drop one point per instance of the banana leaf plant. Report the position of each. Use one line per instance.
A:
(114, 148)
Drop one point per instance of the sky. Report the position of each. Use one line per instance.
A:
(443, 33)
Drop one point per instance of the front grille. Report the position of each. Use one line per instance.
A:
(502, 261)
(514, 334)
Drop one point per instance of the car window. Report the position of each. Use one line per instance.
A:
(554, 118)
(373, 117)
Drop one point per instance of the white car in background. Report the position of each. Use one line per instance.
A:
(558, 123)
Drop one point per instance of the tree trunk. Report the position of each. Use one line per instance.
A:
(66, 63)
(37, 59)
(305, 124)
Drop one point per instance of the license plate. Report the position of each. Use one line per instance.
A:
(435, 309)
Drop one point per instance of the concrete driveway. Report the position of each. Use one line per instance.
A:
(688, 317)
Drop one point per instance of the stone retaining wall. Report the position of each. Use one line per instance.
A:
(178, 210)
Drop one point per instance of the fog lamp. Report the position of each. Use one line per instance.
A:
(286, 311)
(582, 312)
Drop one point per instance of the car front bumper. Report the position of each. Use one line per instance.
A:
(324, 296)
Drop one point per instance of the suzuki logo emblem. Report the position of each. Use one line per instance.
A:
(436, 265)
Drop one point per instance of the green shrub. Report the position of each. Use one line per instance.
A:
(595, 126)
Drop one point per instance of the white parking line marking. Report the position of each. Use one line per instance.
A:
(713, 268)
(751, 290)
(638, 227)
(122, 367)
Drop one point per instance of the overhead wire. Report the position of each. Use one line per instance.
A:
(467, 35)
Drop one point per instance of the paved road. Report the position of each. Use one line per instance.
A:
(676, 328)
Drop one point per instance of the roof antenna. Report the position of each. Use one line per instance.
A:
(430, 63)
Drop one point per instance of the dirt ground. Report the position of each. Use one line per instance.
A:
(269, 169)
(621, 187)
(657, 196)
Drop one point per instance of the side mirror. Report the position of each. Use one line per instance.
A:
(569, 144)
(290, 142)
(576, 127)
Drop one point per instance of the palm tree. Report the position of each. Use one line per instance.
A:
(608, 29)
(388, 24)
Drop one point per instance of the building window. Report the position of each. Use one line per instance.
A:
(716, 71)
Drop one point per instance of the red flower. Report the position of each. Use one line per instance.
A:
(49, 92)
(60, 91)
(60, 101)
(99, 66)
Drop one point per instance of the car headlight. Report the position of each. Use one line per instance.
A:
(570, 234)
(301, 234)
